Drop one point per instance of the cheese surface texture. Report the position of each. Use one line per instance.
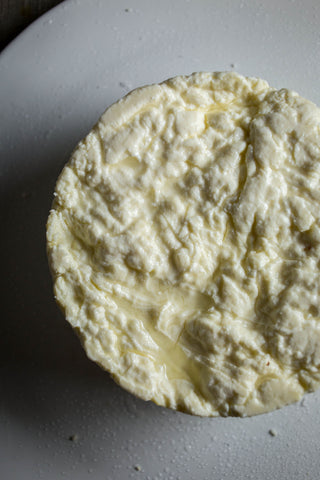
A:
(184, 244)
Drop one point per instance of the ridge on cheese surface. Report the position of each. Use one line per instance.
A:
(184, 244)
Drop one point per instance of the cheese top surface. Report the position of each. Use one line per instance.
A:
(184, 244)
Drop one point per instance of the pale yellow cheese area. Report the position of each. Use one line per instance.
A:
(184, 244)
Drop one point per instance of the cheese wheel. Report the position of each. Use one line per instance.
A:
(184, 244)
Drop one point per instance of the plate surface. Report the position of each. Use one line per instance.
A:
(60, 415)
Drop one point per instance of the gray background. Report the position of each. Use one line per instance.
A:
(55, 81)
(15, 15)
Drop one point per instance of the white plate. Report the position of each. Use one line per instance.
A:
(55, 80)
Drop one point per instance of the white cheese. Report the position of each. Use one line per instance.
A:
(184, 243)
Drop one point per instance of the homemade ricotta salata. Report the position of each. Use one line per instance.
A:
(184, 244)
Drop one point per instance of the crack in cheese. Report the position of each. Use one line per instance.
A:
(184, 243)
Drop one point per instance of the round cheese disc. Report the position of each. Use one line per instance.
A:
(184, 244)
